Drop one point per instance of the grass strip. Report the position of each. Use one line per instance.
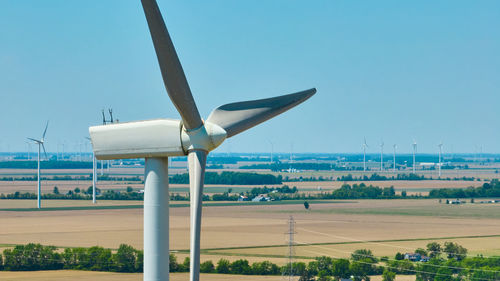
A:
(350, 242)
(180, 205)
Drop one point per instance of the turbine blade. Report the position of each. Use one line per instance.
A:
(197, 161)
(171, 68)
(45, 152)
(45, 131)
(35, 140)
(240, 116)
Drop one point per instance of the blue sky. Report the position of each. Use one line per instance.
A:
(391, 70)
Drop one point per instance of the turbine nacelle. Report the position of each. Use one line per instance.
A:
(153, 138)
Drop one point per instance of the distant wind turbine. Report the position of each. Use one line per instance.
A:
(272, 150)
(29, 150)
(395, 146)
(414, 152)
(440, 145)
(40, 143)
(364, 155)
(382, 156)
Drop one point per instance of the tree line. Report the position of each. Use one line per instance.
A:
(227, 177)
(491, 189)
(231, 178)
(346, 191)
(446, 263)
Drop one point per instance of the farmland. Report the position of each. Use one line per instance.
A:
(412, 187)
(253, 231)
(257, 232)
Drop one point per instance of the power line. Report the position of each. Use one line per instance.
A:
(386, 266)
(291, 250)
(378, 243)
(370, 256)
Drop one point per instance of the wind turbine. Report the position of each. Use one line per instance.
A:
(156, 140)
(440, 145)
(414, 144)
(381, 155)
(40, 143)
(29, 150)
(272, 151)
(94, 174)
(364, 154)
(394, 146)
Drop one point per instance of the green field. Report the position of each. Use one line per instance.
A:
(491, 211)
(126, 205)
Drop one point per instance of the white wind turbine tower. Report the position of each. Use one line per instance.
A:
(94, 174)
(394, 146)
(440, 145)
(414, 144)
(40, 143)
(382, 156)
(364, 155)
(158, 139)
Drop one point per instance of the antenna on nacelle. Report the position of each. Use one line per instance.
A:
(110, 121)
(111, 114)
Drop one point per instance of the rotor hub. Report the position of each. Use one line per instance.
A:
(207, 137)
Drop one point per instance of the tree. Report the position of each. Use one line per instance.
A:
(139, 262)
(323, 276)
(455, 251)
(129, 189)
(421, 251)
(401, 266)
(77, 190)
(434, 249)
(125, 258)
(324, 264)
(306, 205)
(240, 266)
(222, 266)
(185, 265)
(360, 270)
(399, 256)
(388, 275)
(265, 268)
(207, 267)
(173, 265)
(363, 254)
(340, 269)
(403, 193)
(306, 275)
(98, 258)
(56, 190)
